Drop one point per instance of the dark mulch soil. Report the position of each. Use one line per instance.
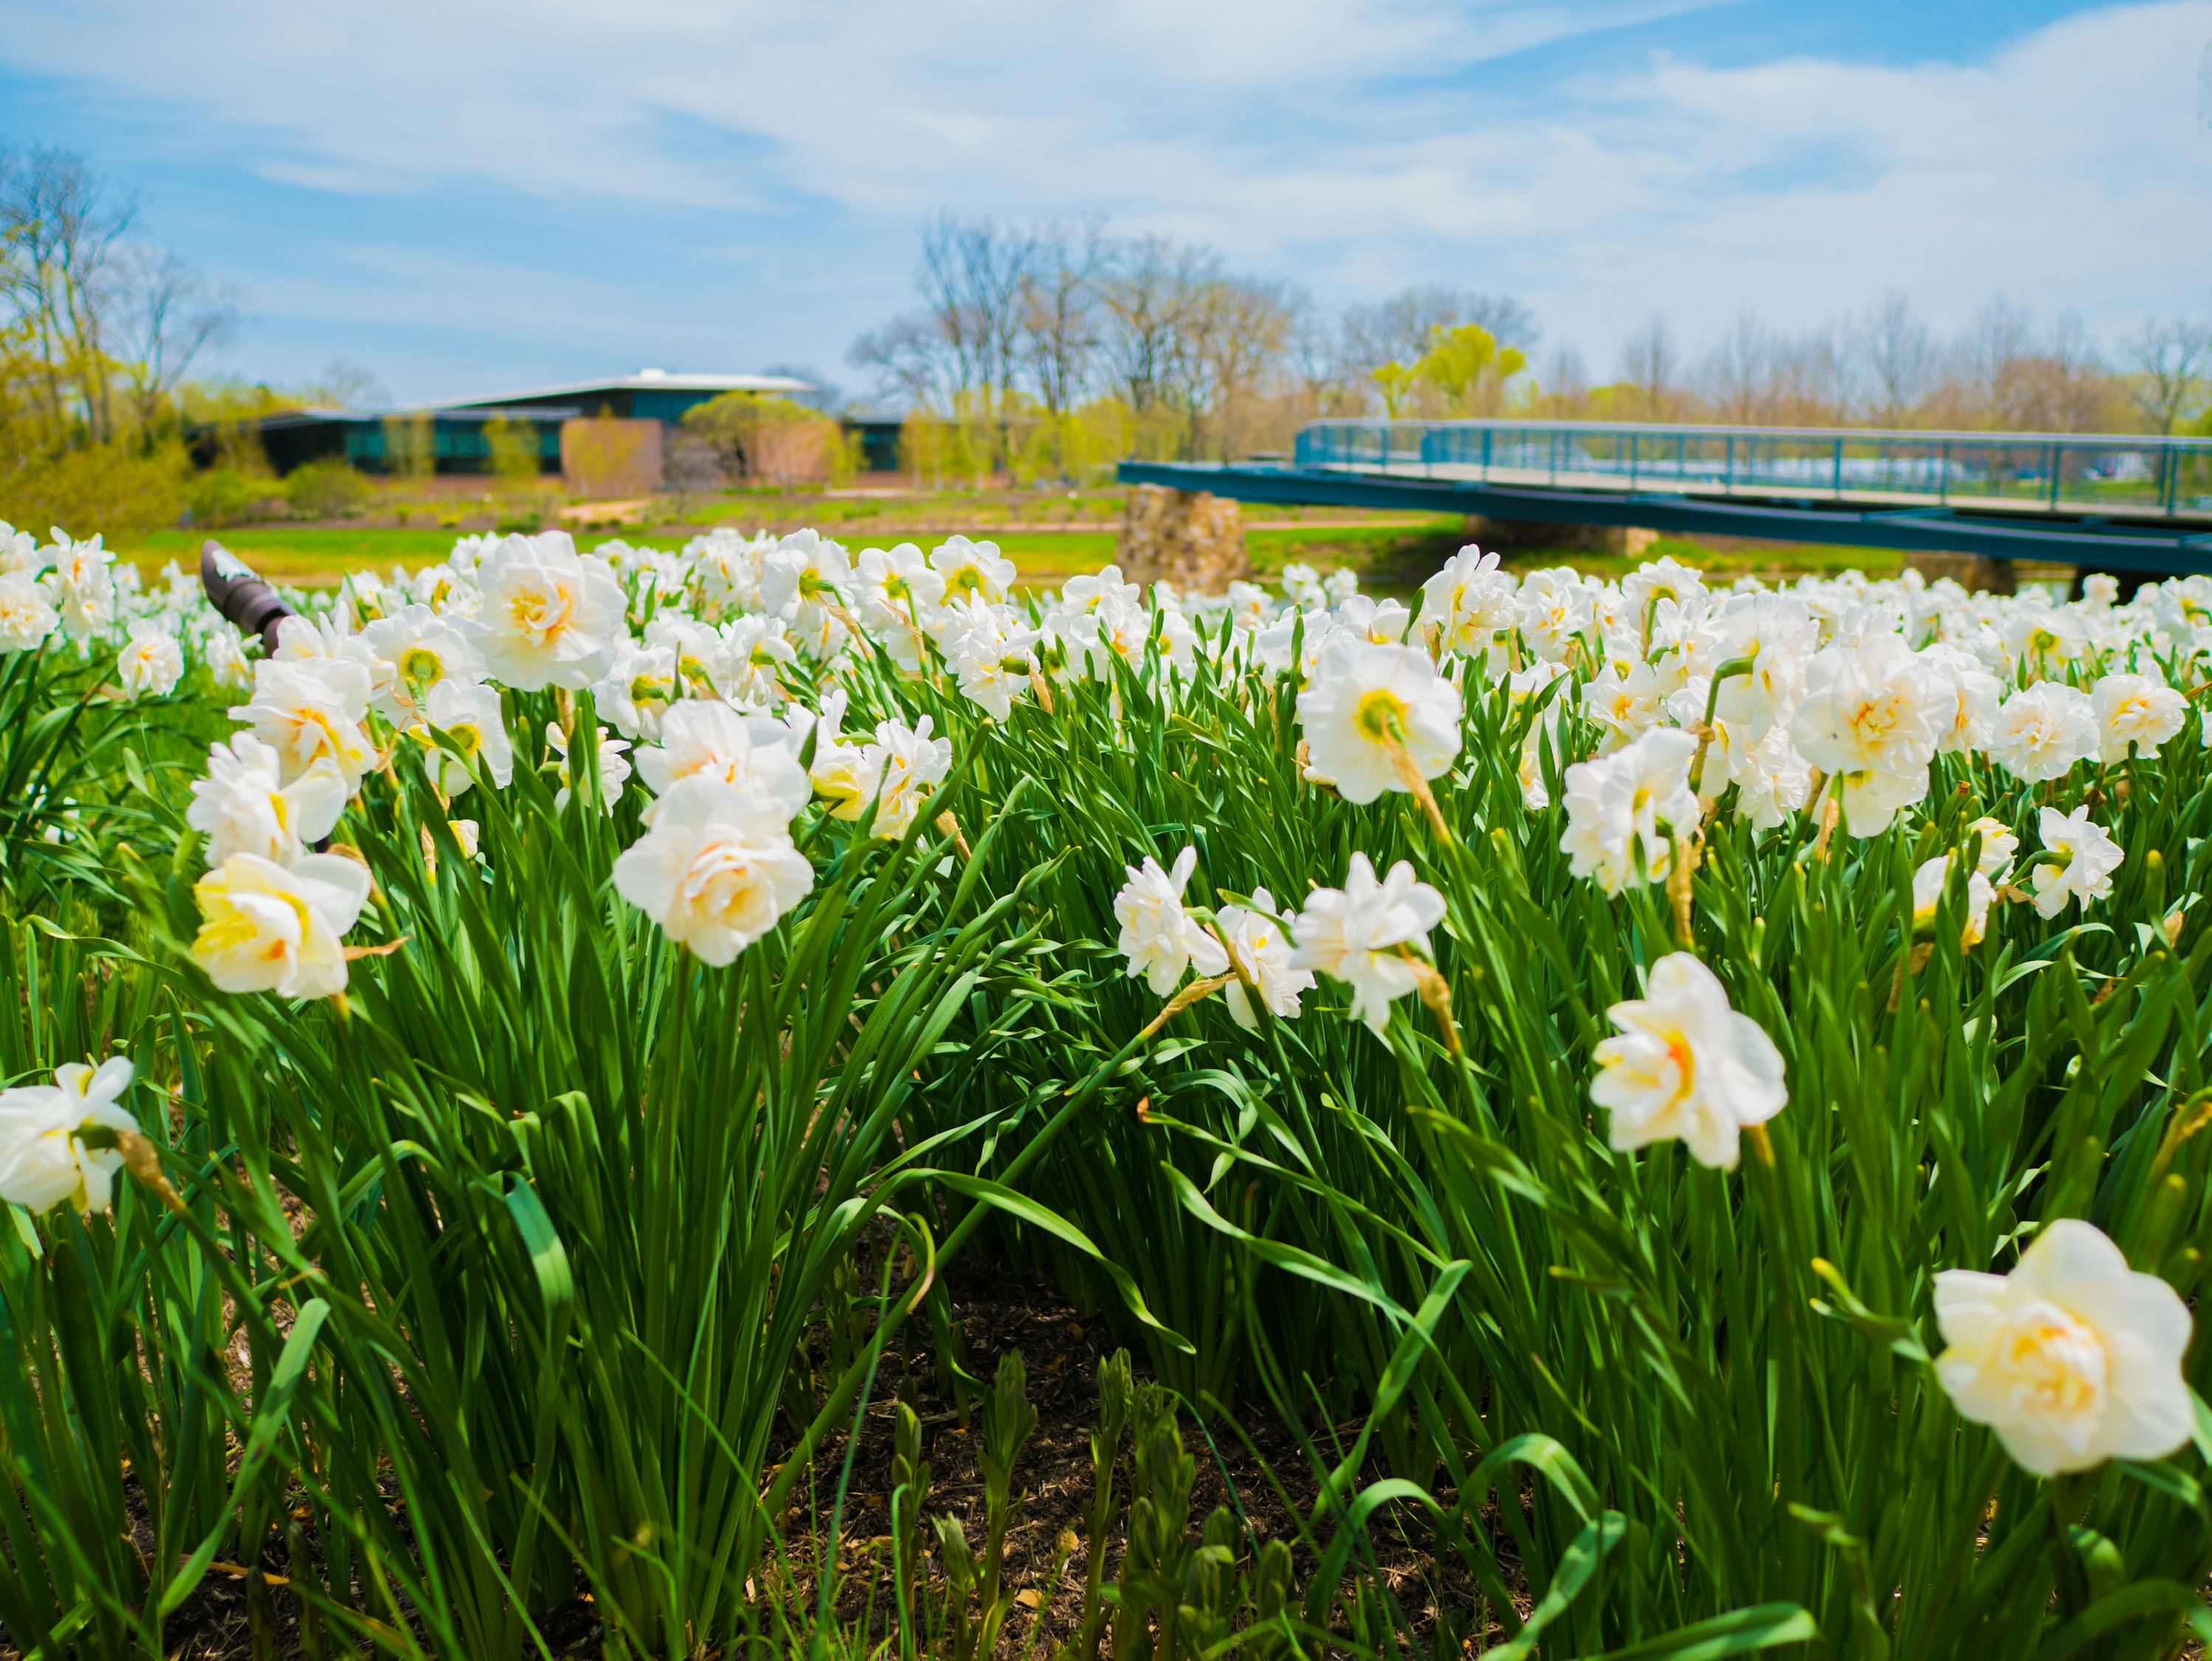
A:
(997, 1310)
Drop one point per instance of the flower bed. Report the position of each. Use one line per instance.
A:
(1688, 1103)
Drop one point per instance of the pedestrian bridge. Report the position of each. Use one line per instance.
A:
(2123, 503)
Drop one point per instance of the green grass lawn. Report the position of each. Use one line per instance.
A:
(1390, 553)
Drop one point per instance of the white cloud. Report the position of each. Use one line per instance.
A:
(1333, 141)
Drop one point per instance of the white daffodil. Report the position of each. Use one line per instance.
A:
(801, 578)
(221, 650)
(1261, 952)
(321, 640)
(270, 928)
(548, 616)
(1964, 698)
(1624, 810)
(972, 570)
(1685, 1067)
(898, 592)
(244, 805)
(44, 1156)
(988, 648)
(1367, 706)
(20, 555)
(613, 768)
(1159, 937)
(752, 754)
(2134, 715)
(640, 685)
(901, 765)
(306, 709)
(28, 617)
(1469, 602)
(2039, 734)
(1872, 715)
(151, 662)
(1929, 883)
(1998, 846)
(415, 651)
(1360, 934)
(702, 656)
(716, 869)
(2073, 1358)
(1379, 621)
(755, 652)
(1627, 703)
(80, 579)
(2077, 861)
(1773, 781)
(469, 713)
(1553, 610)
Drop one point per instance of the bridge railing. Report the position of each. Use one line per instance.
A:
(2074, 473)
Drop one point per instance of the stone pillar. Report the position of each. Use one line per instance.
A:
(1193, 539)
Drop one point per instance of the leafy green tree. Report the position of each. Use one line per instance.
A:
(511, 447)
(1464, 363)
(1396, 382)
(409, 449)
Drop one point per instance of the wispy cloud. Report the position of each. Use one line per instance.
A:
(1354, 144)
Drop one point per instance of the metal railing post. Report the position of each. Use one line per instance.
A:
(1944, 474)
(1838, 473)
(2056, 453)
(1635, 444)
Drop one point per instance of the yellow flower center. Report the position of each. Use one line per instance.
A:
(2060, 1361)
(1380, 714)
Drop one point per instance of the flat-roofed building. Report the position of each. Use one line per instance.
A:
(457, 438)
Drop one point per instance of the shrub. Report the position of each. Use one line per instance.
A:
(118, 487)
(327, 489)
(224, 495)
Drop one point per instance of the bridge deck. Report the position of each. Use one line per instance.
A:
(2037, 503)
(2124, 503)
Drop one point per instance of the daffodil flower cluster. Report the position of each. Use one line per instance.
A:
(73, 596)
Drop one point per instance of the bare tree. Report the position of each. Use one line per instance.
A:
(916, 355)
(111, 321)
(344, 384)
(1059, 323)
(1805, 380)
(1563, 386)
(61, 231)
(2172, 361)
(1236, 333)
(1739, 370)
(1313, 361)
(175, 316)
(1648, 363)
(1149, 295)
(1985, 365)
(1894, 354)
(962, 338)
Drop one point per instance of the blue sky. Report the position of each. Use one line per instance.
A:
(465, 196)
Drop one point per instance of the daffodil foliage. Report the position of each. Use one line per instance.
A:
(1688, 1101)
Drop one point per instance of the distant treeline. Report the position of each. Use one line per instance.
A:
(1055, 346)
